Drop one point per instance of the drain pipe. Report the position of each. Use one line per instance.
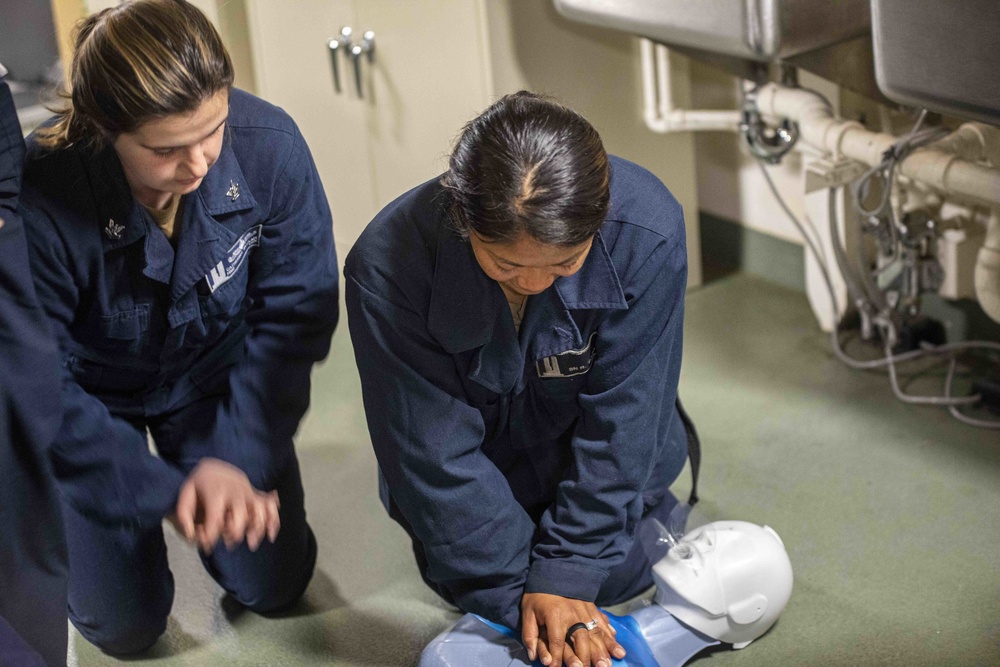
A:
(981, 143)
(976, 142)
(947, 173)
(659, 112)
(972, 175)
(987, 276)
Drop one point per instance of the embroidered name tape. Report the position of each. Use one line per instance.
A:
(568, 363)
(227, 268)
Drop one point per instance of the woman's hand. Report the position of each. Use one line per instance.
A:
(217, 500)
(545, 619)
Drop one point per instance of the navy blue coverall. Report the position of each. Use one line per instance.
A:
(209, 346)
(32, 546)
(523, 462)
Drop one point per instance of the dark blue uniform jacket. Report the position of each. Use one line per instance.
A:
(239, 311)
(32, 546)
(522, 462)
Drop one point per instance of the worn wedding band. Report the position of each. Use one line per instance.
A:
(591, 624)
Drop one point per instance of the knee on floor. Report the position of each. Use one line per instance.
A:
(270, 597)
(281, 590)
(126, 637)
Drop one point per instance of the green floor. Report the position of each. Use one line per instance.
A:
(891, 513)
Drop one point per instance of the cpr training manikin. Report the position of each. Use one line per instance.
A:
(724, 582)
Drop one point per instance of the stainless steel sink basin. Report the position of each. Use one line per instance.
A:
(941, 55)
(762, 30)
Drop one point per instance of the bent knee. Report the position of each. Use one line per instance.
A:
(125, 638)
(281, 588)
(272, 597)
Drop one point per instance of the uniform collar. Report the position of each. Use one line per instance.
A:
(204, 241)
(595, 285)
(464, 300)
(224, 190)
(468, 310)
(119, 214)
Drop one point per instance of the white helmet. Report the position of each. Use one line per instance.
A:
(728, 579)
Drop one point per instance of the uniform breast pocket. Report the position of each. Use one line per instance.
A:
(232, 267)
(224, 290)
(121, 331)
(127, 324)
(227, 300)
(562, 376)
(222, 312)
(563, 389)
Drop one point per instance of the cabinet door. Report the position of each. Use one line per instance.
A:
(294, 71)
(428, 78)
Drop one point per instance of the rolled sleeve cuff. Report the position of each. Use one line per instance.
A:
(161, 502)
(568, 580)
(512, 618)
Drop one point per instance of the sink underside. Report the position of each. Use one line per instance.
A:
(751, 38)
(760, 30)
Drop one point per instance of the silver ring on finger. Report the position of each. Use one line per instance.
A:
(591, 624)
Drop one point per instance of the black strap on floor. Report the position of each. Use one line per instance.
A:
(694, 451)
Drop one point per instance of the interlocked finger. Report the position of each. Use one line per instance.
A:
(605, 633)
(588, 645)
(577, 651)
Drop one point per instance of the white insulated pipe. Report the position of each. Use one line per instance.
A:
(659, 112)
(987, 276)
(976, 142)
(951, 166)
(945, 172)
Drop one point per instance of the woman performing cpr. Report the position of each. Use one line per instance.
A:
(517, 325)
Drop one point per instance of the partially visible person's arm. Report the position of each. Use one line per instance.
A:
(11, 151)
(293, 290)
(33, 570)
(29, 364)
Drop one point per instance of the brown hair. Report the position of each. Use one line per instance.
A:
(132, 63)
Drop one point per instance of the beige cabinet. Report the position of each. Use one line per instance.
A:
(427, 76)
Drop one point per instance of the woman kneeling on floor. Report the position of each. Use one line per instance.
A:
(182, 248)
(517, 325)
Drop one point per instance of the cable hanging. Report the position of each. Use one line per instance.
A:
(869, 301)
